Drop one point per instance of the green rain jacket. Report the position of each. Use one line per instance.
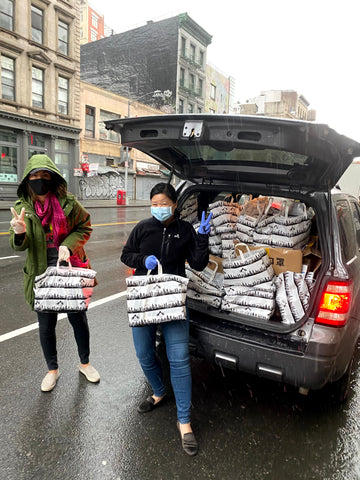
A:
(35, 242)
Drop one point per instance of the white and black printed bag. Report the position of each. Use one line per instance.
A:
(223, 223)
(292, 296)
(156, 298)
(205, 286)
(64, 289)
(189, 210)
(284, 229)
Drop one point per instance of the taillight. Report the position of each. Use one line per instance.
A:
(335, 304)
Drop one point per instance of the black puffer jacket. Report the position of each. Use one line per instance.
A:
(172, 245)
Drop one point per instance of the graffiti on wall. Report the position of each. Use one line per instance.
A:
(100, 187)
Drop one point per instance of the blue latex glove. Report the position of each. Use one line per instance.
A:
(151, 262)
(205, 224)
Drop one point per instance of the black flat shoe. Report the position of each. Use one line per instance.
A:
(188, 442)
(148, 404)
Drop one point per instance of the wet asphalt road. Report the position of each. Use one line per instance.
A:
(247, 428)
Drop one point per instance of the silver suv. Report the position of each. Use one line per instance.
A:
(288, 163)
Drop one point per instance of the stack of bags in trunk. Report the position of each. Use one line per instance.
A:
(189, 210)
(248, 219)
(206, 286)
(288, 228)
(249, 285)
(292, 296)
(223, 231)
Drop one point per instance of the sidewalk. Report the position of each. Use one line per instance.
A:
(6, 204)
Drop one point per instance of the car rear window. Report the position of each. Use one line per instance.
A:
(346, 229)
(356, 216)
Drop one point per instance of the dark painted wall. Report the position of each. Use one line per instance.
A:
(136, 62)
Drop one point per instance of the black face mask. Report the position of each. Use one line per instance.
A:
(41, 186)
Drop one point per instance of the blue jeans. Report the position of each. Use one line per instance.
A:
(176, 335)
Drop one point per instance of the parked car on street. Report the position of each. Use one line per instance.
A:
(293, 323)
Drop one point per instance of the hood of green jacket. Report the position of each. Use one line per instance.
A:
(39, 161)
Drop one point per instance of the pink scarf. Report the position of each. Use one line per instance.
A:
(52, 213)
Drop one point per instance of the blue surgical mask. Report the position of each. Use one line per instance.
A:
(161, 213)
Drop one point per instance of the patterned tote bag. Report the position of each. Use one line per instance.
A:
(64, 289)
(156, 298)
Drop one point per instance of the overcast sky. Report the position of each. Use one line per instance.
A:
(311, 46)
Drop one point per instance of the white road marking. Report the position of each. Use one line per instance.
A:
(34, 326)
(12, 256)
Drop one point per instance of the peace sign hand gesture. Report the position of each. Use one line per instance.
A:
(205, 226)
(17, 221)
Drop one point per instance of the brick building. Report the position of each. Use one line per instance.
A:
(92, 26)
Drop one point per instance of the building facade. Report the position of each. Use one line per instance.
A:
(105, 165)
(219, 96)
(92, 25)
(164, 56)
(40, 87)
(278, 103)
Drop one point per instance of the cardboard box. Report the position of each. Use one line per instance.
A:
(282, 259)
(311, 258)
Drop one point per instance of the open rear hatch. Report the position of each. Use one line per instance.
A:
(302, 156)
(246, 155)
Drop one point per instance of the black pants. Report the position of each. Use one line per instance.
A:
(47, 326)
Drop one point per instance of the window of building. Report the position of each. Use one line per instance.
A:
(199, 110)
(192, 52)
(89, 121)
(201, 83)
(37, 87)
(37, 144)
(8, 156)
(192, 82)
(63, 95)
(183, 46)
(94, 20)
(62, 157)
(63, 37)
(201, 59)
(93, 35)
(212, 92)
(37, 21)
(182, 77)
(191, 108)
(108, 134)
(181, 106)
(7, 78)
(7, 14)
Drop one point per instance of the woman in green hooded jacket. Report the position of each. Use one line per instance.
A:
(52, 226)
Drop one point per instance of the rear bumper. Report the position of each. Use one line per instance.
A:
(293, 367)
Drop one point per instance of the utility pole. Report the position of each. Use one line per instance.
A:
(126, 175)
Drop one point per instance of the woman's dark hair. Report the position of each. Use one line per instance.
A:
(166, 189)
